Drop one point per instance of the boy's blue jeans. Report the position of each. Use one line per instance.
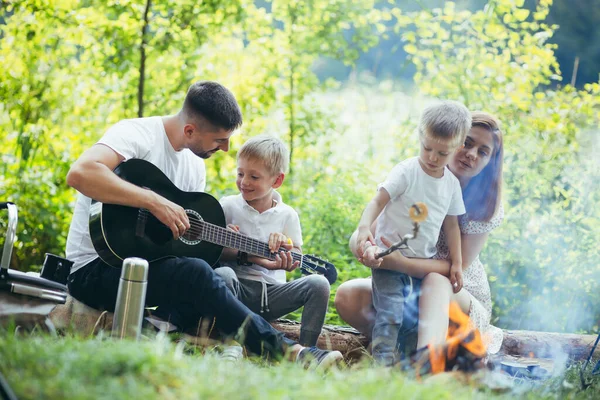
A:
(396, 302)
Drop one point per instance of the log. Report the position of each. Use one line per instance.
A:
(548, 344)
(349, 341)
(346, 340)
(516, 343)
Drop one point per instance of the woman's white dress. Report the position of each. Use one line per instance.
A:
(475, 281)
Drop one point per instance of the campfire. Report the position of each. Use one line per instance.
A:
(463, 349)
(464, 352)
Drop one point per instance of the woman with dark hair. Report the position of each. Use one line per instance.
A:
(478, 167)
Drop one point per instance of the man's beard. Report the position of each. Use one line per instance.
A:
(205, 154)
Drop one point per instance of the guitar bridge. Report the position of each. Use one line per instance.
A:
(140, 226)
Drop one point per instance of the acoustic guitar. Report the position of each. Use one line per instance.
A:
(119, 232)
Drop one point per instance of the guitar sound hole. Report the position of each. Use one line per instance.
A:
(194, 234)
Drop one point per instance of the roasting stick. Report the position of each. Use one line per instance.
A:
(417, 214)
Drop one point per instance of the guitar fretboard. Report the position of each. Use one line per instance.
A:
(227, 238)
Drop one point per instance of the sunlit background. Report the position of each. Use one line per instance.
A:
(343, 83)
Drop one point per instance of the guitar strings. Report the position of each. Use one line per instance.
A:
(212, 231)
(257, 247)
(236, 239)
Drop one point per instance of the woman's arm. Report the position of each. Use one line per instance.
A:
(471, 246)
(396, 261)
(415, 267)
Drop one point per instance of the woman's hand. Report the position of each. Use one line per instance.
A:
(415, 267)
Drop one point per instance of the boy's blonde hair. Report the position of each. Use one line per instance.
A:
(447, 121)
(268, 149)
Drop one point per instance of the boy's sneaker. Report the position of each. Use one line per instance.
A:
(317, 359)
(155, 324)
(232, 353)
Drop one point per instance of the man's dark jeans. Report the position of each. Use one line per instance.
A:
(184, 290)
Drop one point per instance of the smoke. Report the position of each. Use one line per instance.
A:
(544, 264)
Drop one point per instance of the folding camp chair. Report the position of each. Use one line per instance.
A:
(25, 299)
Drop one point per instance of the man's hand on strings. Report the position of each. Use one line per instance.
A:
(172, 215)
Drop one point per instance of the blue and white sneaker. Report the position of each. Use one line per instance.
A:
(317, 359)
(232, 353)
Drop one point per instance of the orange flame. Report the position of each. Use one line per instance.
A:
(460, 332)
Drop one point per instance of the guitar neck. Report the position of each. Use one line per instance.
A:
(227, 238)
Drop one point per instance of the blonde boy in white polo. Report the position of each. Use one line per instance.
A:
(258, 211)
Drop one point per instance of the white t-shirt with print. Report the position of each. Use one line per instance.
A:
(279, 219)
(407, 184)
(146, 139)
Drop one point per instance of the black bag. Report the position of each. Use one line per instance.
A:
(56, 268)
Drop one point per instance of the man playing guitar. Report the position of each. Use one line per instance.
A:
(183, 288)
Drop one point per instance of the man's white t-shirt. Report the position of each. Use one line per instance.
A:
(407, 184)
(146, 139)
(279, 219)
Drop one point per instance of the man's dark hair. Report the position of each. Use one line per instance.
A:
(214, 103)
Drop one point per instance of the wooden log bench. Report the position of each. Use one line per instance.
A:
(88, 321)
(518, 343)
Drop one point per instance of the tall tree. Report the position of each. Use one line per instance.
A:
(297, 33)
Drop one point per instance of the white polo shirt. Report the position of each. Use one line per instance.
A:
(279, 219)
(407, 184)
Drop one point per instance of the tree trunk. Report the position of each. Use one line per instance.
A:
(142, 77)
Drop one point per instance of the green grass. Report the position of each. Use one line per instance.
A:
(44, 367)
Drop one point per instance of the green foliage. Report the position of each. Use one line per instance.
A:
(499, 60)
(329, 213)
(47, 118)
(37, 127)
